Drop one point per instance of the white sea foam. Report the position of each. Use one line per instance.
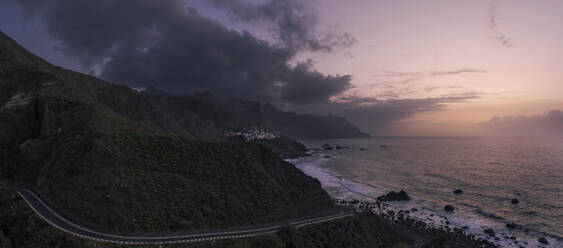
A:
(341, 188)
(337, 186)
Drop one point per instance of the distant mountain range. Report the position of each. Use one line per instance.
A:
(299, 126)
(236, 114)
(119, 161)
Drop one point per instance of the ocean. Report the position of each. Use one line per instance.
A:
(490, 172)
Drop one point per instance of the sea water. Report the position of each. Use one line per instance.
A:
(490, 171)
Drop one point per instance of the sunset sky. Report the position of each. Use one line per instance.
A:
(394, 67)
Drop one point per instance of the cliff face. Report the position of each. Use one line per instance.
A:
(203, 117)
(298, 126)
(114, 159)
(199, 116)
(305, 126)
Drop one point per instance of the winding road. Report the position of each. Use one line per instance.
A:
(45, 212)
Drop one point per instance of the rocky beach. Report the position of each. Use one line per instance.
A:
(402, 206)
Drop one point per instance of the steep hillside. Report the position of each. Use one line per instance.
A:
(305, 126)
(201, 115)
(20, 227)
(114, 159)
(205, 118)
(299, 126)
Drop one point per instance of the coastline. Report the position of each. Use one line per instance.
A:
(363, 196)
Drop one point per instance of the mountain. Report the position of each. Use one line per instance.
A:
(306, 126)
(117, 160)
(200, 115)
(299, 126)
(205, 118)
(236, 114)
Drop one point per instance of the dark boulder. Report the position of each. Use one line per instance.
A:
(490, 232)
(510, 225)
(543, 240)
(449, 208)
(458, 191)
(515, 201)
(393, 196)
(362, 149)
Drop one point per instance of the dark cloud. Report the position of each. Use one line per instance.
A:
(170, 45)
(399, 74)
(433, 88)
(388, 89)
(420, 75)
(455, 72)
(548, 124)
(505, 41)
(397, 84)
(380, 117)
(493, 15)
(292, 24)
(494, 24)
(306, 82)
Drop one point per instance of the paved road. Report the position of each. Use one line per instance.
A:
(45, 212)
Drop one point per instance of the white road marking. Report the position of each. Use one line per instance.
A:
(159, 240)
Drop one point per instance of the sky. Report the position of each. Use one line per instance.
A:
(392, 67)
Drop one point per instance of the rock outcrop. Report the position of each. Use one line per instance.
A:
(394, 196)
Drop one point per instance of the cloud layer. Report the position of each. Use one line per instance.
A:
(548, 124)
(170, 45)
(495, 23)
(292, 25)
(380, 117)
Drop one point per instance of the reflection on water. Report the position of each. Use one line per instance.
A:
(491, 172)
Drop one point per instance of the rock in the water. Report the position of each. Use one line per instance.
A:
(362, 149)
(449, 208)
(393, 196)
(515, 201)
(327, 156)
(458, 191)
(489, 231)
(510, 225)
(543, 240)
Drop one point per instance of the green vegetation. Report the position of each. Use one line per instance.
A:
(284, 147)
(299, 126)
(21, 227)
(112, 159)
(142, 183)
